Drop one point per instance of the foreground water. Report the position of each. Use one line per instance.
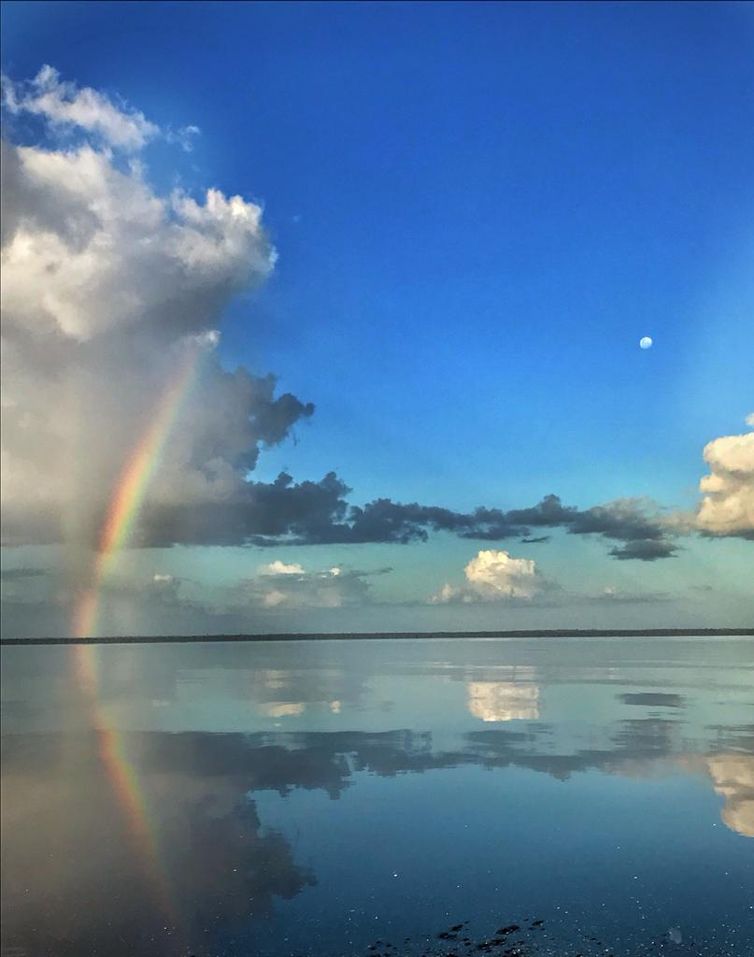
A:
(326, 798)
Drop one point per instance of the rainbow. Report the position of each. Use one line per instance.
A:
(122, 512)
(131, 488)
(121, 773)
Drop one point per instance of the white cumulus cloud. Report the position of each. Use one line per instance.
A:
(89, 250)
(727, 506)
(281, 568)
(106, 285)
(493, 575)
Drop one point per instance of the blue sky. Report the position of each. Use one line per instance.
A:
(478, 209)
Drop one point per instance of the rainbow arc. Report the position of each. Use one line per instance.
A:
(123, 509)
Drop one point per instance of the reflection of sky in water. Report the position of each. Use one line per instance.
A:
(313, 797)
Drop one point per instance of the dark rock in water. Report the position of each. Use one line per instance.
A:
(503, 931)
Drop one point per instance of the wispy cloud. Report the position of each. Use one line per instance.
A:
(65, 106)
(280, 585)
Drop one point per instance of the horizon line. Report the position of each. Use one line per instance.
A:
(389, 635)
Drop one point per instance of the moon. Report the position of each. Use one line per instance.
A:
(645, 342)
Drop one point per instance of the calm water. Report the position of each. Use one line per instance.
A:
(334, 798)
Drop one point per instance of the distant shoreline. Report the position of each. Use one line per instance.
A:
(394, 635)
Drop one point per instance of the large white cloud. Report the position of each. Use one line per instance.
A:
(106, 284)
(493, 575)
(727, 506)
(497, 574)
(91, 250)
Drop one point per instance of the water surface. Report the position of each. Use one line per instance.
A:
(331, 798)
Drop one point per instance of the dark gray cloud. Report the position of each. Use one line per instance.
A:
(260, 513)
(626, 520)
(645, 550)
(272, 418)
(285, 512)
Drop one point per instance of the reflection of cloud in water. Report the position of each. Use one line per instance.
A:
(653, 699)
(503, 700)
(285, 693)
(733, 778)
(273, 679)
(281, 709)
(224, 866)
(645, 737)
(57, 808)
